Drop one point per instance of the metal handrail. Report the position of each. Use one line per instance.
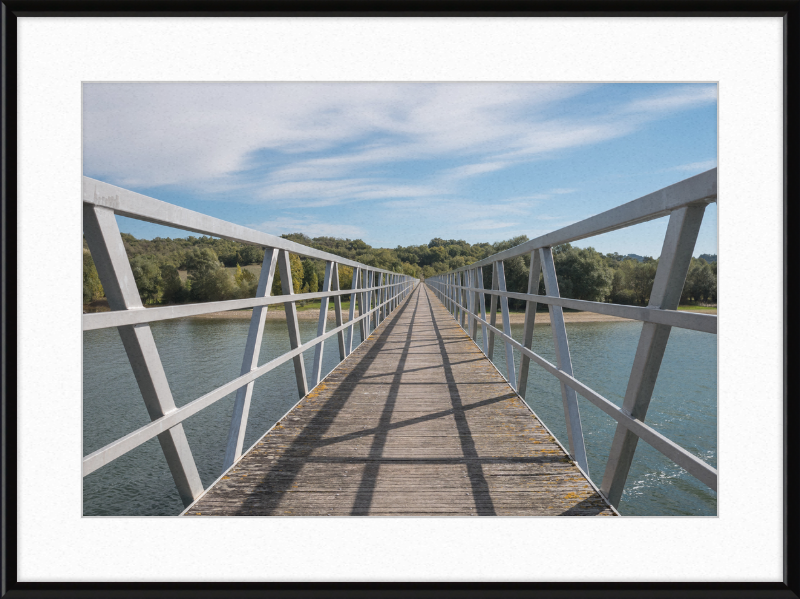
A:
(376, 292)
(463, 294)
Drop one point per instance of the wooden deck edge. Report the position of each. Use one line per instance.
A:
(530, 409)
(322, 380)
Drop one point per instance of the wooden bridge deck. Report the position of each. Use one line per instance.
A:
(416, 422)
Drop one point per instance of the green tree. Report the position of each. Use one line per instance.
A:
(701, 282)
(174, 291)
(641, 281)
(252, 254)
(246, 282)
(209, 280)
(92, 288)
(583, 274)
(310, 276)
(296, 266)
(148, 279)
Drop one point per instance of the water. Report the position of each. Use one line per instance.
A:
(683, 408)
(200, 355)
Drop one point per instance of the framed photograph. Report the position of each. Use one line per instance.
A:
(430, 114)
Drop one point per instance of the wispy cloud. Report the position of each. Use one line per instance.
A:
(695, 166)
(484, 161)
(338, 143)
(674, 99)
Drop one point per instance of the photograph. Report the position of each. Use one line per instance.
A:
(399, 299)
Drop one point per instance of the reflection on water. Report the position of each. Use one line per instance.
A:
(200, 355)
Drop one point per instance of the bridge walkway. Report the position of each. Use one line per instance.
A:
(415, 422)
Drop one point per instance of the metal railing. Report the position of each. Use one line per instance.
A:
(462, 292)
(377, 293)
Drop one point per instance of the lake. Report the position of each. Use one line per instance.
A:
(202, 354)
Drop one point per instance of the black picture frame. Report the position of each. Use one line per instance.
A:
(789, 10)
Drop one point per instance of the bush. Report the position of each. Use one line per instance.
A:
(92, 288)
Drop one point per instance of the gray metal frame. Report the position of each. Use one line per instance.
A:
(101, 202)
(685, 204)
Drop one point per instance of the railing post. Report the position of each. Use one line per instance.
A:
(370, 295)
(108, 252)
(570, 398)
(492, 311)
(337, 310)
(362, 298)
(354, 285)
(530, 317)
(673, 266)
(456, 296)
(287, 288)
(462, 293)
(241, 406)
(379, 300)
(450, 293)
(482, 299)
(322, 322)
(471, 303)
(501, 285)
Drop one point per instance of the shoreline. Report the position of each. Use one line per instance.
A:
(516, 317)
(278, 313)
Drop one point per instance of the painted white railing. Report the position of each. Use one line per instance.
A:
(377, 292)
(462, 292)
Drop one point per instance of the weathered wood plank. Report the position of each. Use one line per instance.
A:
(416, 421)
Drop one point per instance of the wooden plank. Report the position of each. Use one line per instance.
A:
(416, 421)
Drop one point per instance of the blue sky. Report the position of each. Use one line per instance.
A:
(402, 163)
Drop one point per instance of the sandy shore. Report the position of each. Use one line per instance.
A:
(516, 318)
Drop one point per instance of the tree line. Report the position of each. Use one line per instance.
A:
(584, 274)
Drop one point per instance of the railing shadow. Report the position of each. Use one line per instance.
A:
(480, 487)
(280, 478)
(369, 478)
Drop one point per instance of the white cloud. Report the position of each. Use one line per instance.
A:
(675, 99)
(696, 166)
(262, 142)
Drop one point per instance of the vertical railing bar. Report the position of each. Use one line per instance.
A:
(530, 317)
(482, 299)
(569, 396)
(354, 285)
(370, 295)
(673, 266)
(337, 310)
(241, 405)
(362, 298)
(501, 286)
(378, 298)
(108, 252)
(287, 289)
(471, 304)
(492, 311)
(463, 295)
(457, 290)
(322, 323)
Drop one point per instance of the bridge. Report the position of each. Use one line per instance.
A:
(416, 419)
